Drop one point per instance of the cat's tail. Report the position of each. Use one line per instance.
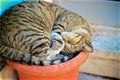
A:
(28, 58)
(13, 54)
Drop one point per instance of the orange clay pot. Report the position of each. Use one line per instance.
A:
(63, 71)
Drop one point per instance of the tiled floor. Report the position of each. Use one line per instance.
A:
(84, 76)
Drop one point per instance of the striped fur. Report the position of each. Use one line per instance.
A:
(27, 33)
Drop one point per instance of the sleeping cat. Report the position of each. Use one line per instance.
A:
(36, 32)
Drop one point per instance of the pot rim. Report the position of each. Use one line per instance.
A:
(67, 66)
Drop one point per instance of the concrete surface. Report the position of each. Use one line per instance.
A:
(85, 76)
(102, 63)
(105, 38)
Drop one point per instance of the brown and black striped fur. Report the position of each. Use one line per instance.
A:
(26, 29)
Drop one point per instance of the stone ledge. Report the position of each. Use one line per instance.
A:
(105, 60)
(103, 63)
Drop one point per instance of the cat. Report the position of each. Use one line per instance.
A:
(56, 45)
(37, 32)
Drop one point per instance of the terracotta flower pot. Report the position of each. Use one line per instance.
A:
(63, 71)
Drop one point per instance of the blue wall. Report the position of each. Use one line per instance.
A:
(6, 4)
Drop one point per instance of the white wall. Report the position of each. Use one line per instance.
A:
(95, 11)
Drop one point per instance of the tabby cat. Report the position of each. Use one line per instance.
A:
(36, 32)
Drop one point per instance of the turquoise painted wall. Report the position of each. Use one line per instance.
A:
(6, 4)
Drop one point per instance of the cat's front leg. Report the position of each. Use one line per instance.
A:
(56, 46)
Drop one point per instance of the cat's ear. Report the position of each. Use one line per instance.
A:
(87, 46)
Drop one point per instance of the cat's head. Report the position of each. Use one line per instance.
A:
(77, 40)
